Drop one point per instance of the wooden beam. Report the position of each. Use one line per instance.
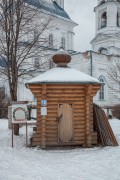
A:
(43, 119)
(88, 140)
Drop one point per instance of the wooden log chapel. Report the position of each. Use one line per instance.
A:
(69, 96)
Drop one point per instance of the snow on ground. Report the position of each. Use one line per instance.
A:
(21, 163)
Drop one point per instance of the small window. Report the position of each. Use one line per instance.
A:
(104, 20)
(102, 50)
(118, 20)
(51, 40)
(102, 89)
(36, 62)
(36, 33)
(63, 42)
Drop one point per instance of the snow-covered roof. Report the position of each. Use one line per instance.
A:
(65, 75)
(49, 6)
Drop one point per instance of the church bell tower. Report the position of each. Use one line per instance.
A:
(60, 3)
(107, 38)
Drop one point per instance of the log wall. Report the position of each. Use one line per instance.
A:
(81, 96)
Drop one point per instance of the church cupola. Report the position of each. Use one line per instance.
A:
(107, 25)
(60, 3)
(107, 16)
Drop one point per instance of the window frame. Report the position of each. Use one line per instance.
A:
(51, 42)
(104, 19)
(36, 62)
(118, 19)
(102, 91)
(63, 42)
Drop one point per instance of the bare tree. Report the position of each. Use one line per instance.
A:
(114, 76)
(22, 29)
(20, 40)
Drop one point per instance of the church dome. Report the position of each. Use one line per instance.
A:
(61, 58)
(62, 74)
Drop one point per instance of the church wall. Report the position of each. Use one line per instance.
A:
(59, 27)
(112, 14)
(101, 65)
(80, 63)
(107, 37)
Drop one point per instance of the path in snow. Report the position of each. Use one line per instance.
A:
(21, 163)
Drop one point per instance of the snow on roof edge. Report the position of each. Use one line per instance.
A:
(87, 82)
(64, 75)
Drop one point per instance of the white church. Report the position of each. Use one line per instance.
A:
(60, 33)
(105, 51)
(105, 45)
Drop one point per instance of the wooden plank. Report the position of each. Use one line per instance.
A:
(65, 111)
(51, 136)
(65, 91)
(87, 128)
(80, 87)
(64, 95)
(79, 130)
(63, 99)
(65, 144)
(79, 126)
(79, 138)
(78, 110)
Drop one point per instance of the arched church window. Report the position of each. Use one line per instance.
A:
(51, 40)
(36, 62)
(63, 42)
(118, 19)
(102, 50)
(102, 89)
(104, 20)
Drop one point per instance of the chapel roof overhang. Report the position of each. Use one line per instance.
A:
(62, 75)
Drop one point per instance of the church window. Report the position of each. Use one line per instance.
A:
(51, 40)
(104, 20)
(118, 20)
(63, 42)
(36, 62)
(102, 50)
(102, 89)
(36, 36)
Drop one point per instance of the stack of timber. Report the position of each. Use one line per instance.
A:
(106, 136)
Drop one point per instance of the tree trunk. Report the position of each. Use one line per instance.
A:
(13, 92)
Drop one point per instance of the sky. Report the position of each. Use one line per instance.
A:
(81, 11)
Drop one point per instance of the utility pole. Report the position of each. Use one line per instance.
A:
(91, 64)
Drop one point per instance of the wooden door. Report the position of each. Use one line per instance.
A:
(65, 123)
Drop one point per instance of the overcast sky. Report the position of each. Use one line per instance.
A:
(81, 11)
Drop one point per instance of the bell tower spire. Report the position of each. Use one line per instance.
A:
(107, 25)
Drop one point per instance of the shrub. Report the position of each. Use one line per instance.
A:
(116, 111)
